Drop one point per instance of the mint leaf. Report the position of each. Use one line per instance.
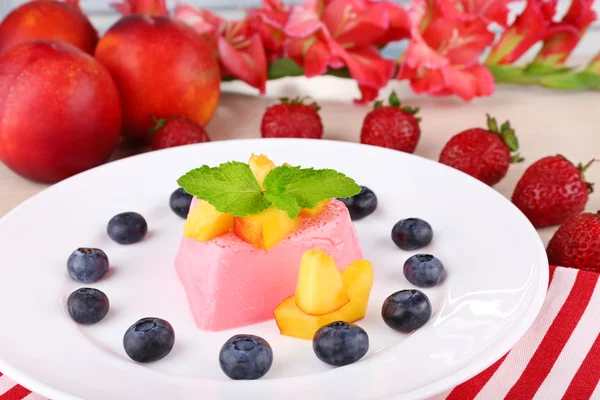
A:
(230, 188)
(308, 186)
(285, 203)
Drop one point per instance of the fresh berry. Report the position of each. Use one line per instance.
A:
(424, 270)
(412, 234)
(406, 310)
(292, 119)
(576, 244)
(180, 202)
(551, 190)
(87, 305)
(246, 357)
(177, 131)
(362, 204)
(340, 343)
(127, 228)
(149, 339)
(484, 154)
(392, 126)
(87, 265)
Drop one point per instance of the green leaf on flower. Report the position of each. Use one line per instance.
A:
(283, 67)
(230, 188)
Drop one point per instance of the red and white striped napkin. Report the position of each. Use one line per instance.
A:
(558, 358)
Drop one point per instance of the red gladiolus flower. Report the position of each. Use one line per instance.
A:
(153, 8)
(240, 49)
(269, 22)
(556, 49)
(443, 55)
(330, 34)
(533, 25)
(485, 10)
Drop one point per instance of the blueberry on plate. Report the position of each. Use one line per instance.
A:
(246, 357)
(149, 339)
(127, 228)
(87, 305)
(362, 204)
(87, 265)
(340, 343)
(412, 234)
(180, 202)
(406, 310)
(424, 270)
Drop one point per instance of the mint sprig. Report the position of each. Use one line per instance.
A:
(232, 188)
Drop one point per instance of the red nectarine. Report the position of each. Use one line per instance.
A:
(43, 19)
(59, 110)
(162, 68)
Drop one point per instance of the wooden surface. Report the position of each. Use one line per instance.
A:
(547, 122)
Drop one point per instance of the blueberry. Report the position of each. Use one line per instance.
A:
(340, 343)
(127, 228)
(424, 270)
(87, 305)
(87, 265)
(362, 204)
(246, 357)
(180, 202)
(406, 310)
(149, 339)
(412, 234)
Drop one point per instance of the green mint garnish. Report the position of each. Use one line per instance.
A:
(232, 188)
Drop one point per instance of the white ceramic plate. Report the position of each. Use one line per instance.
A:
(496, 264)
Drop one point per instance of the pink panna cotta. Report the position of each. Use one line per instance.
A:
(230, 283)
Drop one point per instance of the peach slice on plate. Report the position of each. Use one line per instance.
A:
(320, 289)
(357, 279)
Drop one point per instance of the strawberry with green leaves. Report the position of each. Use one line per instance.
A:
(484, 154)
(392, 126)
(292, 118)
(551, 190)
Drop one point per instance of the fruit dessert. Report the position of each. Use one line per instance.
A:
(247, 229)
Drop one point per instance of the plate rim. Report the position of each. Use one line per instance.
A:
(480, 364)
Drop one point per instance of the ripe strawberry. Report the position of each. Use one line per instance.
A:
(292, 119)
(177, 131)
(576, 244)
(551, 190)
(392, 126)
(484, 154)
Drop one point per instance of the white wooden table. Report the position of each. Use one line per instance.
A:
(547, 122)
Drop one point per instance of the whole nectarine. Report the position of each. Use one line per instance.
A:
(162, 68)
(59, 110)
(43, 19)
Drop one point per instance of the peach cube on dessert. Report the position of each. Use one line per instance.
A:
(265, 229)
(230, 283)
(204, 222)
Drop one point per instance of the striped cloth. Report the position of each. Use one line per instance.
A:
(558, 358)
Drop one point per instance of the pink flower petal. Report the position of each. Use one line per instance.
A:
(303, 22)
(203, 21)
(462, 42)
(368, 94)
(470, 82)
(148, 7)
(355, 23)
(367, 66)
(399, 22)
(485, 10)
(249, 64)
(312, 53)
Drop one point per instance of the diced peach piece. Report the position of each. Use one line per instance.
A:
(260, 166)
(357, 277)
(320, 289)
(265, 229)
(204, 222)
(313, 212)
